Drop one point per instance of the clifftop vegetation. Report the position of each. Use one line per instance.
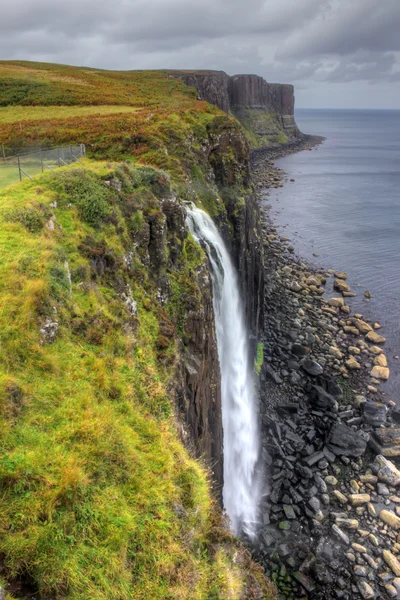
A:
(99, 496)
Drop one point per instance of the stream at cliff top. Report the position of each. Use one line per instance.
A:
(241, 490)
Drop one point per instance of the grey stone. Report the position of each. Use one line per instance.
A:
(315, 504)
(305, 581)
(289, 512)
(383, 489)
(343, 441)
(341, 534)
(311, 367)
(374, 413)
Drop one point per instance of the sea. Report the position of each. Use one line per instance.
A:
(344, 207)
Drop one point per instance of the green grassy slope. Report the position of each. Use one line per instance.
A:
(99, 497)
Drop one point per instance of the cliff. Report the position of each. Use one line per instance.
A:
(266, 110)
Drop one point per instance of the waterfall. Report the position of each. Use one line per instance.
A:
(241, 490)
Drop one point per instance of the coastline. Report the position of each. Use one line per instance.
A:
(330, 436)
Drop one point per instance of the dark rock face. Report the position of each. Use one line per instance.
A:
(248, 91)
(199, 391)
(211, 86)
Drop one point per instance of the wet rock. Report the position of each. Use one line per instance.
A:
(381, 360)
(340, 497)
(321, 399)
(347, 523)
(341, 535)
(391, 590)
(271, 374)
(352, 364)
(383, 489)
(362, 326)
(390, 519)
(311, 367)
(391, 561)
(357, 499)
(366, 591)
(387, 471)
(367, 294)
(299, 350)
(336, 302)
(334, 351)
(331, 480)
(386, 441)
(375, 350)
(374, 413)
(380, 372)
(341, 286)
(343, 441)
(289, 512)
(341, 275)
(375, 338)
(306, 582)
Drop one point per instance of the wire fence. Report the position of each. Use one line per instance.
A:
(28, 164)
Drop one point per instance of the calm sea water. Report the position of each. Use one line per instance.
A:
(345, 206)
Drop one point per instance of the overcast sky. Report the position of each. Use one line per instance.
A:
(337, 53)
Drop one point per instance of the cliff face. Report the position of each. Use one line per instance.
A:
(265, 109)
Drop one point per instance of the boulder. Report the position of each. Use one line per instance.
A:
(375, 338)
(336, 302)
(380, 360)
(352, 364)
(334, 351)
(341, 275)
(391, 561)
(299, 350)
(362, 326)
(343, 441)
(387, 471)
(366, 591)
(350, 329)
(311, 367)
(374, 413)
(390, 519)
(321, 399)
(375, 350)
(341, 286)
(359, 499)
(380, 372)
(386, 441)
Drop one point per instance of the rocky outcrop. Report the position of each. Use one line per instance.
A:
(212, 86)
(266, 109)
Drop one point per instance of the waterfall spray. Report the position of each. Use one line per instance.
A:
(241, 437)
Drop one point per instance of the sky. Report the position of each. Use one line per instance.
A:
(337, 53)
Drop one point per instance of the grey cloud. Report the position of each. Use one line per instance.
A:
(306, 42)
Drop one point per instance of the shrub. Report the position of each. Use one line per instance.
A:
(87, 192)
(31, 218)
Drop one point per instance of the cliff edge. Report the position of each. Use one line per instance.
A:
(266, 110)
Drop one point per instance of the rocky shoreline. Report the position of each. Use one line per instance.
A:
(330, 436)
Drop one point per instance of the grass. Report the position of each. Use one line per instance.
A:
(99, 497)
(8, 175)
(93, 470)
(19, 114)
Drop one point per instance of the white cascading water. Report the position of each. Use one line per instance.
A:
(241, 491)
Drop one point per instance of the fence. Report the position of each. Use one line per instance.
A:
(27, 165)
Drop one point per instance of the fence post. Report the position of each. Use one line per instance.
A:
(41, 160)
(58, 156)
(19, 169)
(4, 152)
